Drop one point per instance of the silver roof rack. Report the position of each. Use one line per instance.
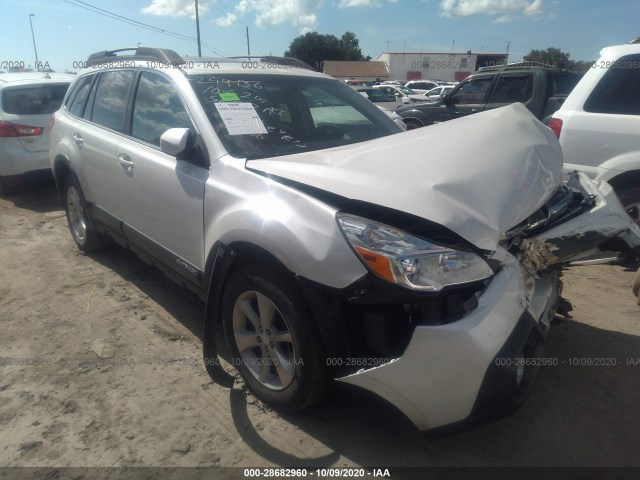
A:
(162, 55)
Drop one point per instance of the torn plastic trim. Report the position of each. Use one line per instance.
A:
(570, 200)
(570, 239)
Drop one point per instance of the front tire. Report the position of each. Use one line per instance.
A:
(86, 238)
(273, 339)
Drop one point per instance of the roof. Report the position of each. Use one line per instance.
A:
(355, 69)
(444, 53)
(18, 78)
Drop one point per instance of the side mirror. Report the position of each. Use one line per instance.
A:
(174, 141)
(446, 99)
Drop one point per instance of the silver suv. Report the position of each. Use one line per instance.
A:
(327, 244)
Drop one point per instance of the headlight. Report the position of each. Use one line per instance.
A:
(403, 259)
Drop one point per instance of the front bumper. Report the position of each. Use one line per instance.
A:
(466, 369)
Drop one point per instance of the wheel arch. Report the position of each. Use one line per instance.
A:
(222, 261)
(625, 179)
(61, 168)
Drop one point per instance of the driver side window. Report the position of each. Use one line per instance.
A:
(156, 109)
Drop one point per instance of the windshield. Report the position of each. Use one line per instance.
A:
(258, 116)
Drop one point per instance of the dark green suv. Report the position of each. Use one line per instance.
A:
(540, 88)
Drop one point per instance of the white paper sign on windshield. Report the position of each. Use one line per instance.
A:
(240, 118)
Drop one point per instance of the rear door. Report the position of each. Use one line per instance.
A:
(468, 98)
(162, 196)
(512, 88)
(96, 134)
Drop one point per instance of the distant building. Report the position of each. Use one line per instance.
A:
(437, 66)
(356, 70)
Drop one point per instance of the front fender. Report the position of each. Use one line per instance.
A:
(300, 231)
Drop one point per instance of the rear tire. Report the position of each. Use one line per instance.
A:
(273, 339)
(87, 239)
(636, 284)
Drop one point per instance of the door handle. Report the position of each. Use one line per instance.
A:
(126, 162)
(474, 110)
(78, 139)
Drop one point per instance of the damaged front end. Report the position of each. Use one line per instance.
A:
(448, 324)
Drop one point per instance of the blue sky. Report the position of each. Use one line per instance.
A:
(65, 32)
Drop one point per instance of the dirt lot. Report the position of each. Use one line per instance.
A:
(101, 333)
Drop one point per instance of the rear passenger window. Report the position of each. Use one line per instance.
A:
(156, 109)
(111, 97)
(512, 89)
(617, 91)
(77, 97)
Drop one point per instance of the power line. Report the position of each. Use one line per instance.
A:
(130, 21)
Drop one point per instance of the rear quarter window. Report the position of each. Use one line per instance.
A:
(617, 91)
(33, 99)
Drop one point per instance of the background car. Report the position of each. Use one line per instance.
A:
(404, 94)
(599, 124)
(27, 101)
(422, 86)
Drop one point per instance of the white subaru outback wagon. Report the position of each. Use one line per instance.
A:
(328, 244)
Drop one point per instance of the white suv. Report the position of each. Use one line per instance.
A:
(599, 124)
(27, 100)
(327, 243)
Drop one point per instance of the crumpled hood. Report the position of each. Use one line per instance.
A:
(479, 175)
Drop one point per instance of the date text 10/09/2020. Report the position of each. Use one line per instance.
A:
(318, 472)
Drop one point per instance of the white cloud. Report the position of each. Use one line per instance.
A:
(465, 8)
(358, 3)
(226, 21)
(299, 13)
(503, 19)
(175, 8)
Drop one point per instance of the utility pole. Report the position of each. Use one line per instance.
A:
(198, 30)
(387, 46)
(248, 48)
(34, 42)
